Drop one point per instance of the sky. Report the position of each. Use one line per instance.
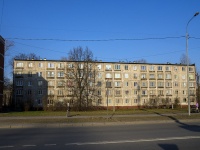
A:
(114, 30)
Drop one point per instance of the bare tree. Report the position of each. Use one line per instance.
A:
(8, 44)
(81, 77)
(23, 57)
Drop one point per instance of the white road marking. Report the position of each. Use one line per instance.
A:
(6, 146)
(28, 145)
(135, 141)
(49, 144)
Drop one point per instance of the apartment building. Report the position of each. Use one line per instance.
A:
(2, 50)
(120, 84)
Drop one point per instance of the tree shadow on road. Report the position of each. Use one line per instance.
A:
(194, 128)
(169, 146)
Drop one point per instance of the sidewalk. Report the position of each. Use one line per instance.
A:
(113, 121)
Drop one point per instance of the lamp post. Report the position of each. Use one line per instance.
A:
(187, 37)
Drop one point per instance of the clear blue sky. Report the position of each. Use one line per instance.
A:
(103, 20)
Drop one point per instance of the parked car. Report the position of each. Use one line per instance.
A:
(193, 109)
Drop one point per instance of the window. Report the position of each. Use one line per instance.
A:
(184, 84)
(30, 65)
(160, 76)
(160, 92)
(134, 67)
(80, 66)
(108, 84)
(39, 74)
(117, 75)
(20, 64)
(135, 101)
(144, 92)
(143, 68)
(60, 92)
(70, 66)
(40, 92)
(126, 101)
(99, 67)
(40, 65)
(108, 67)
(117, 101)
(40, 83)
(152, 76)
(19, 73)
(50, 92)
(152, 92)
(167, 68)
(50, 65)
(99, 75)
(175, 68)
(60, 65)
(51, 83)
(29, 92)
(19, 92)
(108, 75)
(50, 74)
(60, 83)
(126, 92)
(99, 84)
(191, 84)
(29, 83)
(135, 92)
(152, 84)
(151, 68)
(144, 84)
(126, 84)
(117, 92)
(176, 84)
(143, 76)
(168, 92)
(117, 67)
(135, 84)
(160, 84)
(135, 75)
(183, 68)
(60, 74)
(168, 84)
(159, 68)
(29, 74)
(183, 77)
(126, 75)
(191, 77)
(99, 92)
(175, 76)
(168, 76)
(176, 92)
(118, 84)
(191, 69)
(19, 83)
(126, 67)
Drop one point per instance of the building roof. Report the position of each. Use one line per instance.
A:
(120, 62)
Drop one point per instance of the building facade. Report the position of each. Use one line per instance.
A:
(2, 51)
(120, 84)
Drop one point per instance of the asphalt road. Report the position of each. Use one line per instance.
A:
(159, 136)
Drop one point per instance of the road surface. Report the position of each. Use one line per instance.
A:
(158, 136)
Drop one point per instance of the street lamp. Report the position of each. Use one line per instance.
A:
(187, 37)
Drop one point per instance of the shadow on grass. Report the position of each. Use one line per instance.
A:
(194, 128)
